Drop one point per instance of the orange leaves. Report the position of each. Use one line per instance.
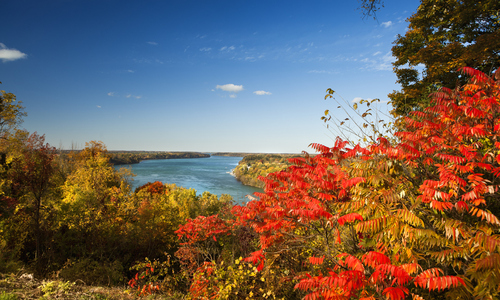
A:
(202, 228)
(349, 218)
(430, 279)
(395, 293)
(354, 279)
(257, 258)
(373, 259)
(485, 215)
(348, 183)
(156, 187)
(451, 158)
(316, 260)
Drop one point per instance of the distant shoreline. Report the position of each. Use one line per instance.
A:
(243, 154)
(129, 157)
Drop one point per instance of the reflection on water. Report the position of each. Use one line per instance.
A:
(202, 174)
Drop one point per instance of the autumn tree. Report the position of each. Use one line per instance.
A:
(11, 113)
(93, 179)
(442, 37)
(31, 175)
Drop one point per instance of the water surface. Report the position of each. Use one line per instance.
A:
(202, 174)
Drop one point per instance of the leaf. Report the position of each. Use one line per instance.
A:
(316, 260)
(395, 293)
(373, 259)
(349, 218)
(430, 279)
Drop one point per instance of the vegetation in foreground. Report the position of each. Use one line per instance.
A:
(26, 286)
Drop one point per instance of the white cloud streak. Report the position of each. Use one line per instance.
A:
(261, 93)
(387, 24)
(7, 54)
(230, 88)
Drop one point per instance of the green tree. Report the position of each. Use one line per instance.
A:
(443, 36)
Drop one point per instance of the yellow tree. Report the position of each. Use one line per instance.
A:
(88, 190)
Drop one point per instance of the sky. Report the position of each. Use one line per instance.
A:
(194, 75)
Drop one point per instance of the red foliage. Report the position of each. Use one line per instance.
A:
(452, 150)
(455, 136)
(202, 228)
(156, 187)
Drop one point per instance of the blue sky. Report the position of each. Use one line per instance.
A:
(242, 76)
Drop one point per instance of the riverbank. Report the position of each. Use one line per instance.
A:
(252, 166)
(134, 157)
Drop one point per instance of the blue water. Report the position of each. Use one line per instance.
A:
(202, 174)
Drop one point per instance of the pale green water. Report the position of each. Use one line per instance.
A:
(202, 174)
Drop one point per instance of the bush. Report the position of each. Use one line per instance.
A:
(92, 272)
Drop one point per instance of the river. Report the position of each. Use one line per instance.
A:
(202, 174)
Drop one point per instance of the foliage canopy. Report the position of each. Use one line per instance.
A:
(443, 36)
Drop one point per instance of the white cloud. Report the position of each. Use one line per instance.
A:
(319, 72)
(386, 63)
(205, 49)
(7, 54)
(377, 53)
(261, 93)
(111, 94)
(387, 24)
(153, 43)
(98, 106)
(130, 71)
(226, 48)
(148, 61)
(133, 96)
(232, 96)
(230, 88)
